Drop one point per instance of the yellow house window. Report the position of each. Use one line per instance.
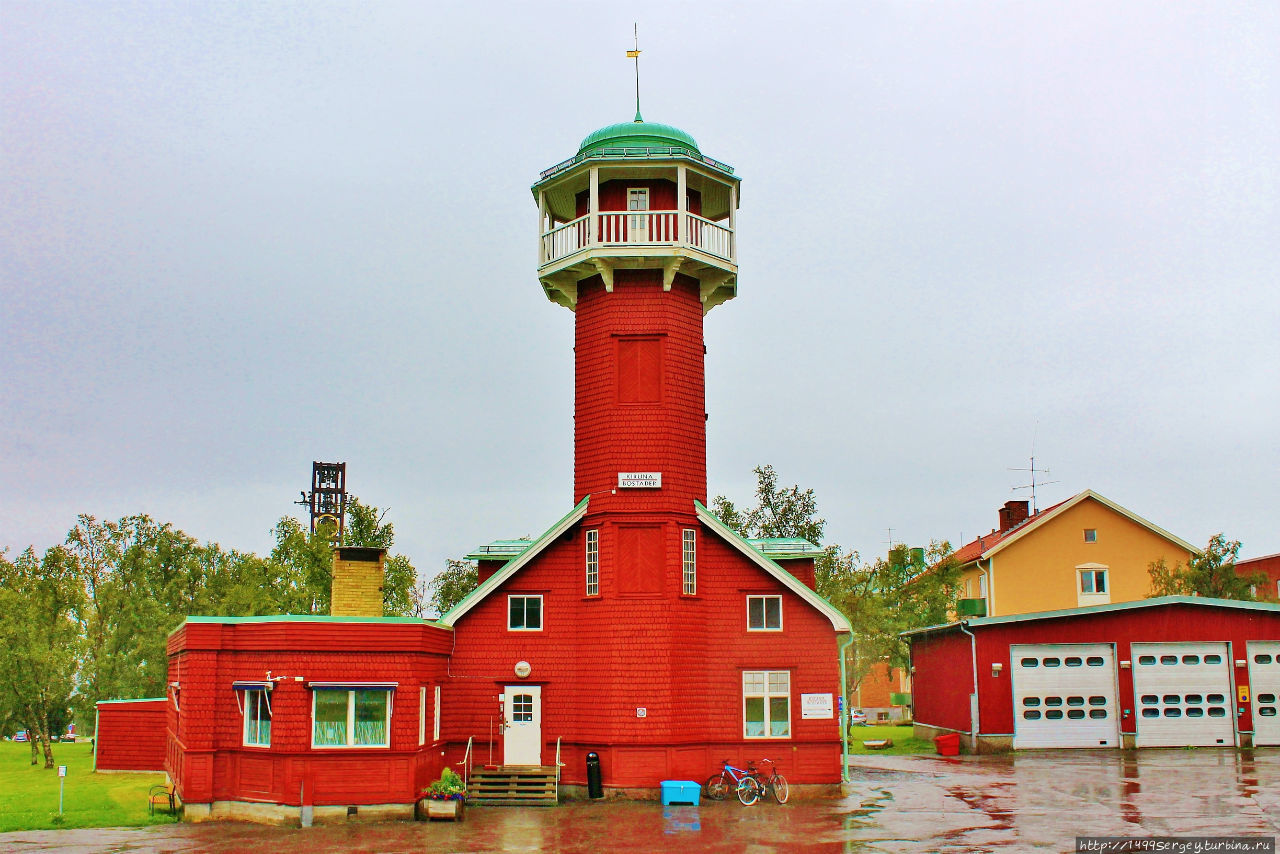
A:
(1090, 535)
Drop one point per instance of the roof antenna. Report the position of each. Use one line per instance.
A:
(1034, 471)
(635, 54)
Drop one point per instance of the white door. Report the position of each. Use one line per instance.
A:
(522, 725)
(1064, 695)
(1182, 694)
(638, 200)
(1264, 684)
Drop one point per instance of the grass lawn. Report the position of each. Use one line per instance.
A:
(903, 741)
(29, 793)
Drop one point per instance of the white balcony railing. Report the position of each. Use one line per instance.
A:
(637, 228)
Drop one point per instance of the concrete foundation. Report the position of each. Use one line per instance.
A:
(288, 816)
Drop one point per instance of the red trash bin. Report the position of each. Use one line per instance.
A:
(947, 744)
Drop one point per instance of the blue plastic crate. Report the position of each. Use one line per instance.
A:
(680, 792)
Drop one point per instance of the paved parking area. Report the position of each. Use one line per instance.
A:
(1027, 801)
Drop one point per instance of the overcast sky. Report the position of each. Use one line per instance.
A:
(238, 237)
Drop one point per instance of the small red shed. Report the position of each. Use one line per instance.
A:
(130, 735)
(1171, 671)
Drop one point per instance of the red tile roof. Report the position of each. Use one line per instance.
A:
(974, 550)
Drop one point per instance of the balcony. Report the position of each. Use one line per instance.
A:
(633, 230)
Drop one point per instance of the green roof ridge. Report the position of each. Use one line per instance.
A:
(781, 569)
(134, 700)
(534, 547)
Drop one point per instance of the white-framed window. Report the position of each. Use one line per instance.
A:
(422, 715)
(638, 200)
(764, 613)
(524, 613)
(350, 717)
(593, 562)
(435, 726)
(689, 542)
(766, 704)
(1093, 581)
(257, 718)
(1090, 535)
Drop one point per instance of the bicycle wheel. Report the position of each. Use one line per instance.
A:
(780, 789)
(748, 791)
(716, 788)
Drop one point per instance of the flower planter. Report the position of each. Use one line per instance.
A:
(451, 810)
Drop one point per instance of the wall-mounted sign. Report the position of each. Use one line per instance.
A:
(639, 480)
(523, 669)
(641, 712)
(816, 706)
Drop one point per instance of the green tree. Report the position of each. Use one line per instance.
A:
(39, 642)
(365, 527)
(451, 585)
(881, 599)
(1211, 573)
(778, 512)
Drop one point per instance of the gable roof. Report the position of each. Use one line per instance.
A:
(1154, 602)
(987, 545)
(838, 620)
(510, 568)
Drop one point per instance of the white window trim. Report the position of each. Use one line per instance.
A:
(245, 705)
(764, 613)
(766, 696)
(1084, 599)
(689, 561)
(351, 720)
(542, 612)
(422, 715)
(592, 564)
(435, 728)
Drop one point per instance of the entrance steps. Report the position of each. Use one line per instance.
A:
(513, 786)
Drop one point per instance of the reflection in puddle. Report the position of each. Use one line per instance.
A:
(676, 820)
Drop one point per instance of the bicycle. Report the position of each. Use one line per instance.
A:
(730, 779)
(775, 782)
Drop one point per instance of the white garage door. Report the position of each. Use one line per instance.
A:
(1183, 694)
(1264, 684)
(1064, 695)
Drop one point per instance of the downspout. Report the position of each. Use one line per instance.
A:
(844, 711)
(989, 575)
(973, 703)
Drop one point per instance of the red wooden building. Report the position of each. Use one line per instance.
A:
(638, 627)
(1171, 671)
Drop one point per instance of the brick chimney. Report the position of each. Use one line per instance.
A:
(357, 582)
(1014, 513)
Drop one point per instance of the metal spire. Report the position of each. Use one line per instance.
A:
(635, 54)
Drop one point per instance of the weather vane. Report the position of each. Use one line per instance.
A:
(635, 54)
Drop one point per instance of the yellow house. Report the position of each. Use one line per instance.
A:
(1087, 550)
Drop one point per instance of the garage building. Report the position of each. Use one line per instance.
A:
(1172, 671)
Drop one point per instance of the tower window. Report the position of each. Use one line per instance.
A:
(593, 562)
(690, 552)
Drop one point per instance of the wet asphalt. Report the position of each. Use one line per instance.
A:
(1030, 801)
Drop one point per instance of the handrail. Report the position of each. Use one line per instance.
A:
(559, 765)
(466, 762)
(651, 227)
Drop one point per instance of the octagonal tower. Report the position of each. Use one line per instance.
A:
(636, 236)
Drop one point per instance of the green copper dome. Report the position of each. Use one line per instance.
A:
(638, 135)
